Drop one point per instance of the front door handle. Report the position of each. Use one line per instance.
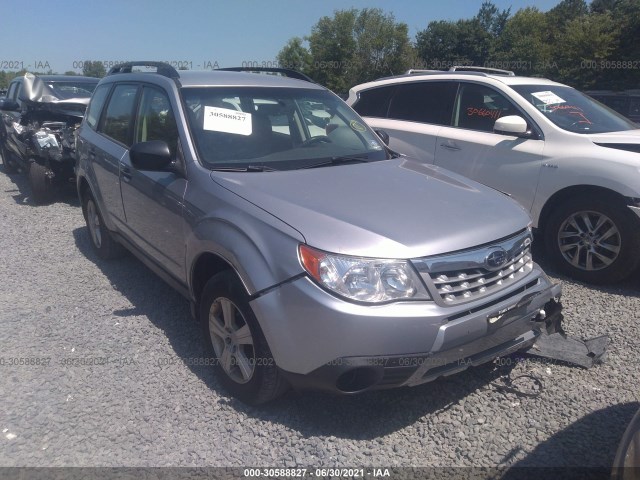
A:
(451, 146)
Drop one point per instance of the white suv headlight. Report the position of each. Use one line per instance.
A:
(371, 280)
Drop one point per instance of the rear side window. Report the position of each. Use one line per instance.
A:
(426, 102)
(119, 114)
(95, 107)
(374, 102)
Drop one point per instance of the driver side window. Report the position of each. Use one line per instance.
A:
(478, 107)
(155, 119)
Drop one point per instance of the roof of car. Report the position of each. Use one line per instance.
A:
(190, 78)
(68, 78)
(449, 75)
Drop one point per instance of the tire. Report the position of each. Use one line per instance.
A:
(234, 341)
(102, 241)
(595, 240)
(7, 164)
(42, 189)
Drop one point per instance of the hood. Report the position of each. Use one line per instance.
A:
(38, 95)
(392, 209)
(628, 140)
(625, 136)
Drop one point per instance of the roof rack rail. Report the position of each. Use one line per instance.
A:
(286, 72)
(491, 71)
(162, 68)
(413, 71)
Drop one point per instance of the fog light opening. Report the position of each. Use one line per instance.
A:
(358, 379)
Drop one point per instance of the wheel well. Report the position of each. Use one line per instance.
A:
(206, 266)
(574, 192)
(82, 189)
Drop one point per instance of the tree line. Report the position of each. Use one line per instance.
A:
(588, 46)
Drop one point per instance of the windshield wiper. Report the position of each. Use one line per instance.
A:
(336, 161)
(248, 168)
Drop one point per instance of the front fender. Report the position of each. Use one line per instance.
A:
(620, 177)
(262, 254)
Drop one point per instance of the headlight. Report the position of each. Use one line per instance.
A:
(371, 280)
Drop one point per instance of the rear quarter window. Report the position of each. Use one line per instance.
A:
(374, 102)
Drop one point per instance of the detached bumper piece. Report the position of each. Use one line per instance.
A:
(558, 346)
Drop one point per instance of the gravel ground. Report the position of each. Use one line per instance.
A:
(139, 405)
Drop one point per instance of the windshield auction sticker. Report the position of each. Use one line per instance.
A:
(548, 98)
(226, 120)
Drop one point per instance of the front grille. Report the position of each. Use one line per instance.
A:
(466, 276)
(462, 285)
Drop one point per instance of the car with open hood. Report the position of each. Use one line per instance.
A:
(39, 117)
(311, 254)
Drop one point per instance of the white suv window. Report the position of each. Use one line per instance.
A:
(478, 107)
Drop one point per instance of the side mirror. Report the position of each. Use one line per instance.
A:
(154, 155)
(8, 105)
(384, 136)
(511, 124)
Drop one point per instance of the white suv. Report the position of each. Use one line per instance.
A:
(571, 161)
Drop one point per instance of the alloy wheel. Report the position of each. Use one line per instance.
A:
(232, 340)
(589, 240)
(93, 221)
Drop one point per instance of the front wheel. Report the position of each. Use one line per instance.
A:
(234, 341)
(42, 188)
(595, 240)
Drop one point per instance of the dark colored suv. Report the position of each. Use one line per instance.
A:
(311, 254)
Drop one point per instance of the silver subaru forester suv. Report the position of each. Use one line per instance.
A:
(312, 255)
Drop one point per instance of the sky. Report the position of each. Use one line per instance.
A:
(200, 34)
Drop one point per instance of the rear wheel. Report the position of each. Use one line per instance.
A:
(233, 338)
(595, 240)
(101, 239)
(42, 188)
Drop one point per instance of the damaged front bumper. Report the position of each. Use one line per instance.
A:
(507, 330)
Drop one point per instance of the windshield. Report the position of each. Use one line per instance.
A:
(276, 128)
(572, 110)
(66, 90)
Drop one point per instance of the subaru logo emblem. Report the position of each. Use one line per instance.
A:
(496, 259)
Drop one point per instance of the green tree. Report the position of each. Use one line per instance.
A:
(93, 69)
(466, 41)
(491, 19)
(295, 55)
(566, 11)
(70, 72)
(524, 44)
(621, 69)
(356, 46)
(587, 41)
